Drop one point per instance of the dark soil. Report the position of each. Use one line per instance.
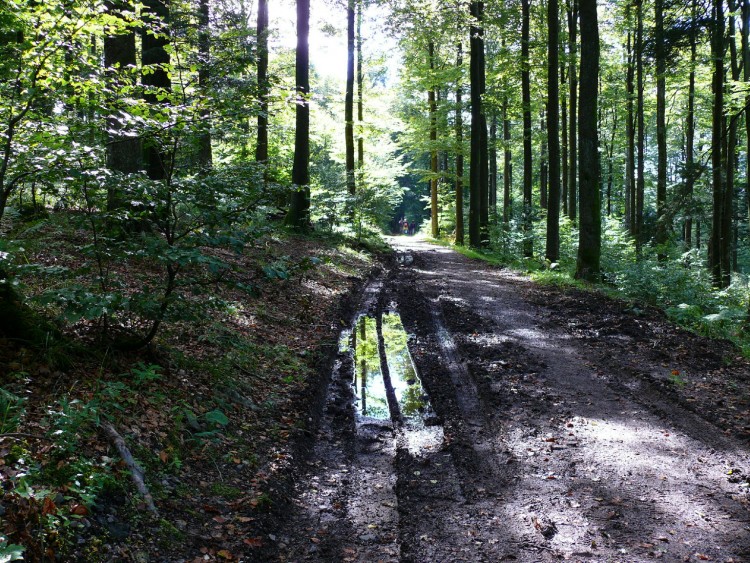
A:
(571, 426)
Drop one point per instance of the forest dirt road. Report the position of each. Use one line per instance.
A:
(562, 425)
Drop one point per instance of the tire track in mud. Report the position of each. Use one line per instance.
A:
(550, 448)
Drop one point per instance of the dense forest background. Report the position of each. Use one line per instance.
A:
(191, 124)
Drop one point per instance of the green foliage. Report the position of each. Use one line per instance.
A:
(10, 552)
(11, 411)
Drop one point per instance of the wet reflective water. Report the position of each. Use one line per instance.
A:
(370, 385)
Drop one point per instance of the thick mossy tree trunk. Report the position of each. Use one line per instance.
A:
(590, 234)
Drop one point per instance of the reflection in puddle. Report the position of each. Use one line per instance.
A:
(368, 380)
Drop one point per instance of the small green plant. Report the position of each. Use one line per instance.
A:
(11, 411)
(9, 551)
(676, 379)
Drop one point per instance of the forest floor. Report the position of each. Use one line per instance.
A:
(562, 425)
(545, 424)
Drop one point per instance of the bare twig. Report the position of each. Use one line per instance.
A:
(136, 473)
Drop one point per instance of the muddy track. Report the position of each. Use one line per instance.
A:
(551, 435)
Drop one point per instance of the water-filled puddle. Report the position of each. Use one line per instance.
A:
(370, 386)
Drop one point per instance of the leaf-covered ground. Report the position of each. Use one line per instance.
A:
(215, 411)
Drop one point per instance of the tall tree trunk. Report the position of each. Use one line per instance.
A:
(573, 93)
(205, 154)
(564, 138)
(349, 99)
(432, 100)
(124, 152)
(661, 130)
(360, 97)
(459, 150)
(728, 215)
(718, 155)
(746, 77)
(478, 174)
(690, 168)
(528, 242)
(299, 208)
(589, 244)
(630, 134)
(507, 163)
(493, 166)
(155, 80)
(641, 134)
(261, 146)
(543, 167)
(552, 250)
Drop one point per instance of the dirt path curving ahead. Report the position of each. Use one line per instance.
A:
(562, 426)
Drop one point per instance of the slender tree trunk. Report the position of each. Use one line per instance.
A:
(573, 92)
(261, 146)
(205, 154)
(360, 97)
(349, 100)
(641, 134)
(718, 155)
(728, 214)
(746, 77)
(299, 208)
(589, 245)
(156, 80)
(507, 163)
(661, 130)
(478, 190)
(630, 134)
(564, 139)
(432, 100)
(690, 171)
(528, 242)
(611, 160)
(543, 167)
(553, 132)
(459, 150)
(124, 152)
(493, 166)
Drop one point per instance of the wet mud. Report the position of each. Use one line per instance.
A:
(473, 416)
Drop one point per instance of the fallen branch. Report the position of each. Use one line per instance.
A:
(24, 435)
(136, 473)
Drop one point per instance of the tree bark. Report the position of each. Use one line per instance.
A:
(349, 100)
(205, 154)
(507, 164)
(478, 174)
(589, 245)
(156, 81)
(641, 180)
(661, 130)
(123, 147)
(360, 97)
(573, 10)
(543, 166)
(459, 151)
(528, 242)
(552, 250)
(261, 145)
(718, 156)
(630, 134)
(299, 209)
(432, 100)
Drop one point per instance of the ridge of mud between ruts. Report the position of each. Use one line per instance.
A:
(566, 434)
